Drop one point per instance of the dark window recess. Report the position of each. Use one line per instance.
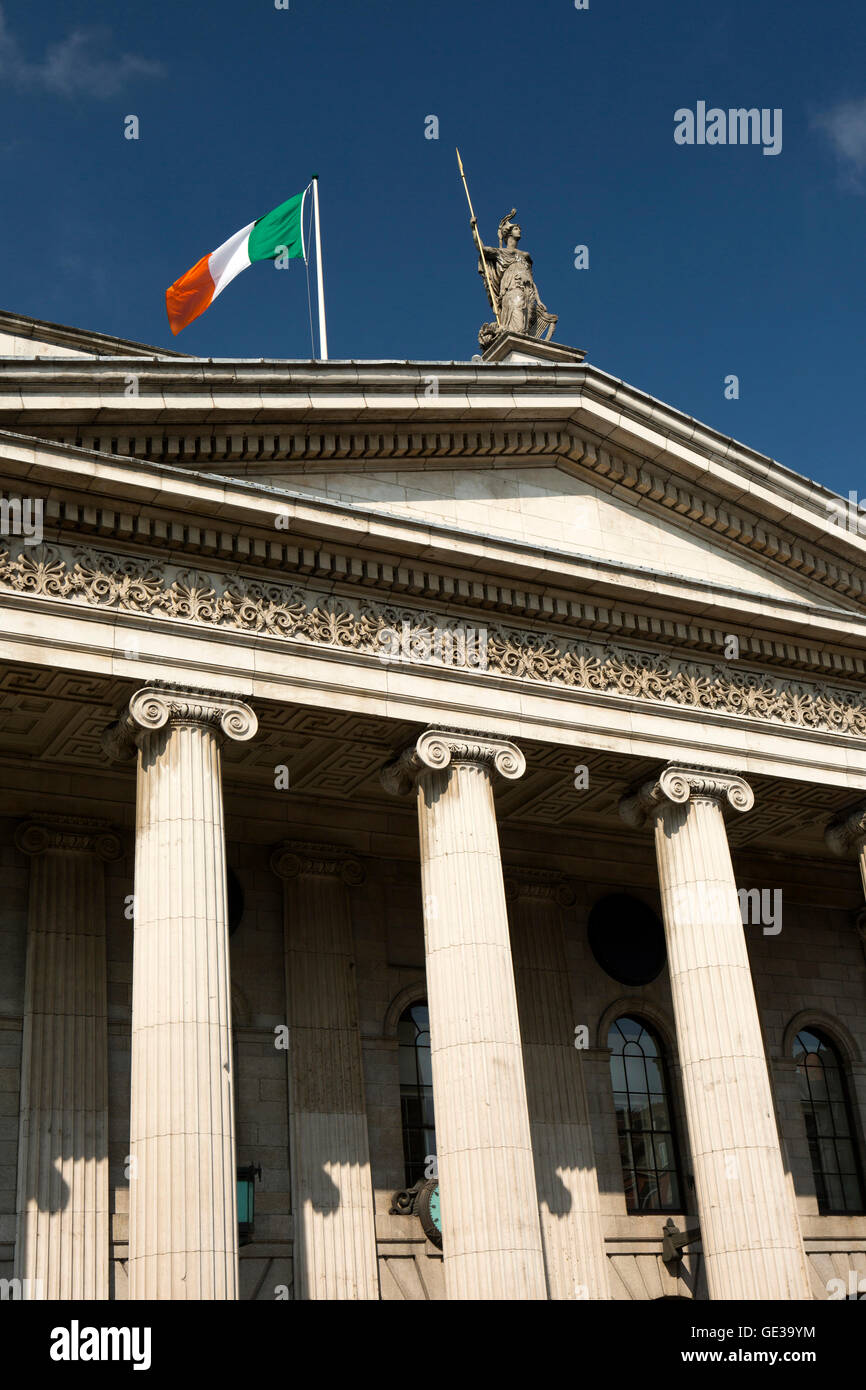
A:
(627, 939)
(416, 1093)
(829, 1127)
(235, 901)
(647, 1143)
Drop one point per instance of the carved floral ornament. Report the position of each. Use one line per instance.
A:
(147, 588)
(438, 749)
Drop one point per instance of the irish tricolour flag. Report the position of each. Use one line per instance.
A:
(278, 234)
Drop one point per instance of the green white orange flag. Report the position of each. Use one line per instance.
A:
(280, 233)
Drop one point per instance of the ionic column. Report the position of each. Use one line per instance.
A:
(491, 1236)
(846, 836)
(749, 1228)
(182, 1202)
(565, 1171)
(61, 1246)
(332, 1191)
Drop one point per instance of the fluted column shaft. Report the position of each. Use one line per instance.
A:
(61, 1249)
(183, 1205)
(332, 1191)
(749, 1228)
(491, 1235)
(565, 1170)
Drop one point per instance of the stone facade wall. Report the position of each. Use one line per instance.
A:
(814, 967)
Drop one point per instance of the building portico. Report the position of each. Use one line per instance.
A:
(366, 840)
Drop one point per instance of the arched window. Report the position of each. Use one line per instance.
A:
(650, 1169)
(416, 1092)
(829, 1126)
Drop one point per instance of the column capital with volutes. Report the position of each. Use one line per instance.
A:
(162, 704)
(548, 885)
(677, 784)
(74, 834)
(437, 749)
(296, 858)
(846, 834)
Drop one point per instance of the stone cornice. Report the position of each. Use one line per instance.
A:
(162, 703)
(355, 625)
(324, 389)
(83, 340)
(828, 556)
(438, 749)
(296, 858)
(72, 834)
(847, 833)
(678, 785)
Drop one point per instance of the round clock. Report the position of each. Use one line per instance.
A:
(429, 1214)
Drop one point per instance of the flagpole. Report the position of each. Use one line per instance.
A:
(323, 330)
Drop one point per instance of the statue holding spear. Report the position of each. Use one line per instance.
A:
(508, 279)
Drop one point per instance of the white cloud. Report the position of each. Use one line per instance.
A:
(82, 64)
(845, 127)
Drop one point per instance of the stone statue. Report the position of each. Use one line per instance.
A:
(508, 279)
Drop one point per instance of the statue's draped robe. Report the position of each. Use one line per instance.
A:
(520, 308)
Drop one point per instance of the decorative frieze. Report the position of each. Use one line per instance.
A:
(260, 552)
(293, 613)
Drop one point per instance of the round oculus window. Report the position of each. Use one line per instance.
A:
(627, 939)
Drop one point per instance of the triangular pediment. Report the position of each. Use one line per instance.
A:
(570, 473)
(25, 337)
(547, 507)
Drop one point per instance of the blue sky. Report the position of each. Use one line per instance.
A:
(704, 261)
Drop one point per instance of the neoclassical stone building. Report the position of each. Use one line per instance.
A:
(421, 780)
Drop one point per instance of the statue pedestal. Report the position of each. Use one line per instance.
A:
(511, 348)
